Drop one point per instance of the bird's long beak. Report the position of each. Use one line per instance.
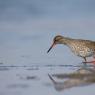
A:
(51, 47)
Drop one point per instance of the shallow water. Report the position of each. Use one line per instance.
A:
(23, 80)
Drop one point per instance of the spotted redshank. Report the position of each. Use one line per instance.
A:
(80, 47)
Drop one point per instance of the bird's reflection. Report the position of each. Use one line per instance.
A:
(81, 77)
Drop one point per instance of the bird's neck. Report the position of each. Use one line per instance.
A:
(66, 40)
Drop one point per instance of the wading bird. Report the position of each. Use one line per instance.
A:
(80, 47)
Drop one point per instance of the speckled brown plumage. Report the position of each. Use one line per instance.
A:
(80, 47)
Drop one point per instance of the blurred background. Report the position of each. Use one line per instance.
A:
(28, 27)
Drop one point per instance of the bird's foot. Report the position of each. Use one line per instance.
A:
(84, 63)
(93, 62)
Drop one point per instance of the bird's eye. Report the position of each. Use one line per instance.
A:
(56, 39)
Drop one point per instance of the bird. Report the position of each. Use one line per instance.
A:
(80, 47)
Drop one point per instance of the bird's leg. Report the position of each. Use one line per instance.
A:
(85, 60)
(93, 62)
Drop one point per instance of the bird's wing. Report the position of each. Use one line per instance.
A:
(89, 44)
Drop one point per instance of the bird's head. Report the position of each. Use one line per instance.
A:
(57, 40)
